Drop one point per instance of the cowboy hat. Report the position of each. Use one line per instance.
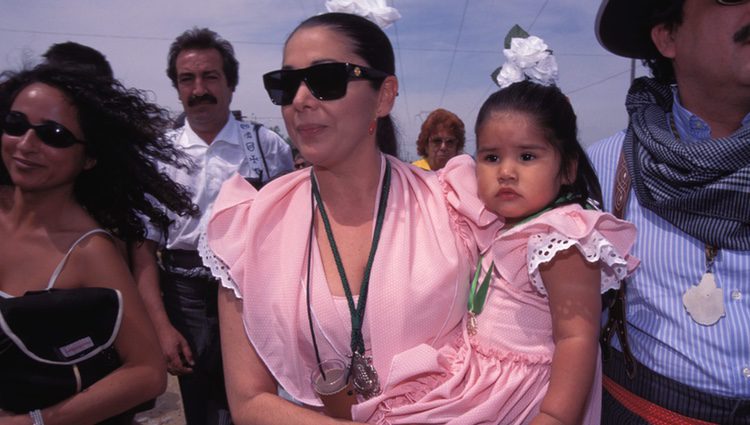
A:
(624, 27)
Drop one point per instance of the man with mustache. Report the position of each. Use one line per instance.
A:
(682, 351)
(180, 293)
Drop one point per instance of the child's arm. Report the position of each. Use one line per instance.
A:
(573, 287)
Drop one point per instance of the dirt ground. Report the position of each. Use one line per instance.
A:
(168, 410)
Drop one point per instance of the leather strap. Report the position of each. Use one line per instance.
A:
(616, 321)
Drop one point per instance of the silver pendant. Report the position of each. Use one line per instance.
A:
(471, 324)
(364, 376)
(705, 302)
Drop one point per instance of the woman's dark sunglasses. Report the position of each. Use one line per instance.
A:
(326, 81)
(50, 133)
(731, 2)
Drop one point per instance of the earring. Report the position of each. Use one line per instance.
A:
(371, 128)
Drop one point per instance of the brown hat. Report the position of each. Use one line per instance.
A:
(624, 27)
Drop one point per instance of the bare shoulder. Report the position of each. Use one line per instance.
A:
(97, 261)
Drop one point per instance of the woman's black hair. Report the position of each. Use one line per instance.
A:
(126, 135)
(554, 114)
(372, 45)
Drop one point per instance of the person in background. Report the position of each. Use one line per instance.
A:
(78, 171)
(79, 57)
(179, 292)
(681, 173)
(441, 137)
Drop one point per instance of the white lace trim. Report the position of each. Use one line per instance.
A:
(542, 248)
(218, 268)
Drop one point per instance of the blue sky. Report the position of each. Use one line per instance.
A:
(445, 50)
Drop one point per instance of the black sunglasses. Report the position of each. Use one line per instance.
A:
(731, 2)
(50, 133)
(326, 81)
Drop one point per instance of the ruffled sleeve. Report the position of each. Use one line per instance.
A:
(599, 237)
(231, 206)
(476, 226)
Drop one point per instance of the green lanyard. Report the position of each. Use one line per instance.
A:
(357, 311)
(477, 296)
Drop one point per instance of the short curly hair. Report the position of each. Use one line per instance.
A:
(126, 135)
(204, 38)
(441, 117)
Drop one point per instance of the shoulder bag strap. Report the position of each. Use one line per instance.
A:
(257, 126)
(616, 321)
(251, 145)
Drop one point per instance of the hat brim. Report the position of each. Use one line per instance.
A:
(623, 28)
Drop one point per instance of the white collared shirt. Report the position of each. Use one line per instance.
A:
(213, 164)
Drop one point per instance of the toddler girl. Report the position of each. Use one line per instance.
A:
(528, 352)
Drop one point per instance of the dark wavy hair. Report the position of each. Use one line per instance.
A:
(79, 57)
(371, 44)
(204, 38)
(554, 114)
(126, 135)
(437, 118)
(669, 13)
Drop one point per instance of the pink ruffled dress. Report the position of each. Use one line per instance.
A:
(501, 374)
(257, 242)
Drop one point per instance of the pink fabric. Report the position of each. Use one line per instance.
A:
(418, 286)
(501, 374)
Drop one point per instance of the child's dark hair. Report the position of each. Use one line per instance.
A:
(554, 114)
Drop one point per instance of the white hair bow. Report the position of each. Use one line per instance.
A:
(527, 57)
(375, 10)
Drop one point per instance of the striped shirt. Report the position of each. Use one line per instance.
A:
(716, 358)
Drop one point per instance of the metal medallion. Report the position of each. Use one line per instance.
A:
(364, 376)
(471, 324)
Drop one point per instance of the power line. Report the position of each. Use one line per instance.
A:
(537, 15)
(273, 43)
(402, 82)
(455, 49)
(598, 82)
(126, 37)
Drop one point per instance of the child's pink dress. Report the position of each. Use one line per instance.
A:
(501, 374)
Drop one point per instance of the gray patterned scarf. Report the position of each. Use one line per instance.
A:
(702, 188)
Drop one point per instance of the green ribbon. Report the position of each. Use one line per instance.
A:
(478, 296)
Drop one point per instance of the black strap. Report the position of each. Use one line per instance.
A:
(256, 127)
(616, 321)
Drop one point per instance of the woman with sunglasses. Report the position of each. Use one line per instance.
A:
(353, 260)
(77, 172)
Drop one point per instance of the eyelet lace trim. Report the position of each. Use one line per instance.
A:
(218, 268)
(542, 248)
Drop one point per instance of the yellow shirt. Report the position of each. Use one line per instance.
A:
(422, 163)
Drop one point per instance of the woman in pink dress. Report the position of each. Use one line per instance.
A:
(529, 354)
(356, 258)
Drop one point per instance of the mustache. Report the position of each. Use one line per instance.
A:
(742, 35)
(207, 99)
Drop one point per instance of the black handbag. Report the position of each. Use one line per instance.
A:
(56, 343)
